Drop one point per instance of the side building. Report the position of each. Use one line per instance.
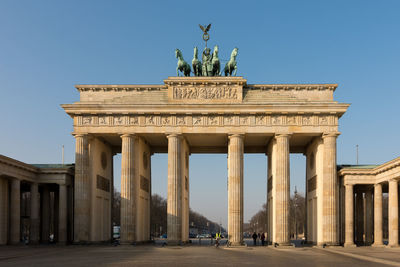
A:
(36, 202)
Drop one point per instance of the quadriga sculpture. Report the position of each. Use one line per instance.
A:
(216, 65)
(231, 65)
(196, 63)
(182, 65)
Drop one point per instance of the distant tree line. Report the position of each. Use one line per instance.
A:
(158, 216)
(258, 223)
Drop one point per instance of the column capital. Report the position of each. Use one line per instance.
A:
(348, 185)
(127, 135)
(177, 135)
(288, 135)
(76, 135)
(330, 134)
(378, 184)
(239, 135)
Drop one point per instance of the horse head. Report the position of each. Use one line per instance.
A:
(215, 52)
(178, 53)
(195, 52)
(234, 52)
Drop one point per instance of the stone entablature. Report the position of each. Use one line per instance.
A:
(194, 104)
(370, 174)
(12, 168)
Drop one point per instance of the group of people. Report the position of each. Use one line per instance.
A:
(259, 236)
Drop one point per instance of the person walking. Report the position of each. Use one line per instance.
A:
(262, 239)
(254, 236)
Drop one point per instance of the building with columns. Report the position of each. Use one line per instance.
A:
(361, 193)
(35, 202)
(187, 115)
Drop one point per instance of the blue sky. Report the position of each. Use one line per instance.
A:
(48, 46)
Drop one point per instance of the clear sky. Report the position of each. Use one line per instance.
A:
(48, 46)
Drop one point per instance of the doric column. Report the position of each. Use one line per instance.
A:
(369, 219)
(282, 190)
(359, 217)
(128, 196)
(62, 214)
(393, 216)
(378, 231)
(45, 214)
(349, 216)
(174, 199)
(81, 189)
(15, 212)
(4, 208)
(235, 189)
(35, 227)
(330, 191)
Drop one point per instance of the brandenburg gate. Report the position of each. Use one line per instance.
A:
(188, 115)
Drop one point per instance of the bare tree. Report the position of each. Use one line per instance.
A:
(116, 208)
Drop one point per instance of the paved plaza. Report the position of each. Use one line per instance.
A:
(195, 255)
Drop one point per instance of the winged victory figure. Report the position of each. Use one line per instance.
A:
(204, 28)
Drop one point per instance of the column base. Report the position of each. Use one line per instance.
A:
(328, 244)
(392, 246)
(125, 242)
(381, 245)
(174, 243)
(349, 245)
(237, 244)
(283, 245)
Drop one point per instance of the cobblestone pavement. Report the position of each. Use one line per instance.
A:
(190, 255)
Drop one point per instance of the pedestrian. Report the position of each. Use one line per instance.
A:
(254, 236)
(262, 239)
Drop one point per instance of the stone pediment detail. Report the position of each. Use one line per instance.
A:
(205, 120)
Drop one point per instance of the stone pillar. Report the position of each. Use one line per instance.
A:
(45, 214)
(378, 230)
(349, 216)
(282, 198)
(35, 227)
(393, 216)
(81, 189)
(128, 196)
(4, 214)
(62, 214)
(15, 212)
(235, 189)
(330, 211)
(369, 219)
(359, 217)
(174, 200)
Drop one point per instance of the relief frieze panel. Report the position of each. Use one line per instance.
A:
(201, 93)
(206, 120)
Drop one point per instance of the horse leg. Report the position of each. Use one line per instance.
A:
(234, 72)
(177, 71)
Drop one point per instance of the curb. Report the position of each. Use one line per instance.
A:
(367, 258)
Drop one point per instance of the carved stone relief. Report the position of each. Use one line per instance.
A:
(208, 120)
(205, 93)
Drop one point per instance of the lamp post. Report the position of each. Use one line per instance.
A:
(295, 209)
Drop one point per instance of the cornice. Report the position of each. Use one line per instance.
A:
(291, 87)
(206, 81)
(18, 164)
(379, 169)
(118, 88)
(335, 108)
